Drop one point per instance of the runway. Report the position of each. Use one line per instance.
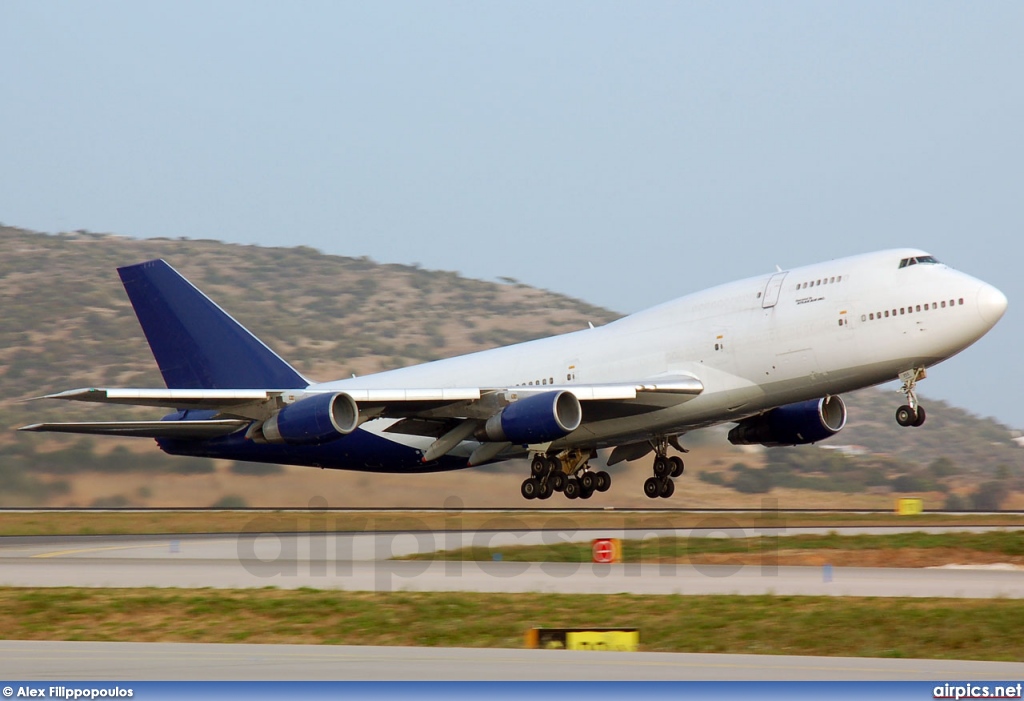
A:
(360, 562)
(201, 662)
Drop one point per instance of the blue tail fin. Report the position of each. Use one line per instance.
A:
(197, 345)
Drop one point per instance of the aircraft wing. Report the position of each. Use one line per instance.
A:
(423, 411)
(682, 384)
(226, 399)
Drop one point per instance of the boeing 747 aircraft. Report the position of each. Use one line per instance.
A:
(771, 354)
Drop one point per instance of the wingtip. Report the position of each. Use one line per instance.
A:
(29, 399)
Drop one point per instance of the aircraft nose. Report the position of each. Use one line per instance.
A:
(991, 304)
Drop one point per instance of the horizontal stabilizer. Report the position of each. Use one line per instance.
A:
(147, 429)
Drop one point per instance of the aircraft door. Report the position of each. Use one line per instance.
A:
(571, 370)
(772, 290)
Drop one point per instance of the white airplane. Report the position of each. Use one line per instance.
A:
(770, 353)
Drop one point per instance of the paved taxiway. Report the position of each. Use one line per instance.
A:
(361, 562)
(38, 660)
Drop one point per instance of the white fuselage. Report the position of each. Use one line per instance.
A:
(755, 344)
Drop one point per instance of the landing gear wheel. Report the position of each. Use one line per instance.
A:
(587, 482)
(661, 466)
(530, 488)
(667, 488)
(539, 466)
(652, 488)
(911, 413)
(572, 489)
(602, 481)
(545, 490)
(558, 480)
(677, 465)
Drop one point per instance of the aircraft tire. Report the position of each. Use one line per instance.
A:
(530, 488)
(572, 489)
(587, 482)
(677, 466)
(661, 466)
(539, 466)
(603, 481)
(558, 480)
(667, 488)
(919, 419)
(905, 415)
(545, 490)
(651, 487)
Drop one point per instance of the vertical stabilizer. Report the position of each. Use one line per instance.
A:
(197, 345)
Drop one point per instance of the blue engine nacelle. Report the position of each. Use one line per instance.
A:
(540, 418)
(311, 421)
(793, 424)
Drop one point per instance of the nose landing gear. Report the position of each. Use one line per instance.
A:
(911, 413)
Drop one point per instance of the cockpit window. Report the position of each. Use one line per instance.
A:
(918, 259)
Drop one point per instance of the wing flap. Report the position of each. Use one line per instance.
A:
(168, 398)
(213, 428)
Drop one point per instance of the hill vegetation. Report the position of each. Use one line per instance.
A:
(68, 323)
(967, 462)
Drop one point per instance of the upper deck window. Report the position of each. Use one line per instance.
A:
(930, 260)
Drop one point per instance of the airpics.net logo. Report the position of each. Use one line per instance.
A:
(977, 691)
(322, 544)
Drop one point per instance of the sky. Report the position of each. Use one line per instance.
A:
(621, 153)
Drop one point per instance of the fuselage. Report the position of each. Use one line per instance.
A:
(754, 344)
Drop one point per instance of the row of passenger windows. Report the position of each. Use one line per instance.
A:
(910, 310)
(823, 281)
(546, 381)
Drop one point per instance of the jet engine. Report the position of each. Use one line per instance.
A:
(536, 419)
(793, 424)
(311, 421)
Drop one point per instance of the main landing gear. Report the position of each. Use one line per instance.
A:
(665, 468)
(567, 472)
(911, 413)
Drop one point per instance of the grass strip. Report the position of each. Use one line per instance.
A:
(143, 522)
(1010, 543)
(865, 627)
